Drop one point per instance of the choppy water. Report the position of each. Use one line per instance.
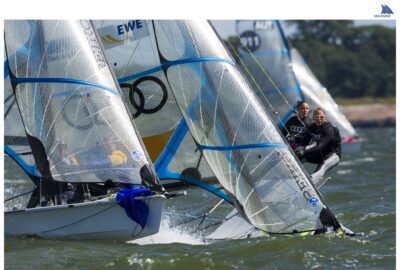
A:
(361, 194)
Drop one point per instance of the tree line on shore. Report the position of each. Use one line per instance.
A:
(351, 61)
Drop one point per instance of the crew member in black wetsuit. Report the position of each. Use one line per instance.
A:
(296, 128)
(323, 148)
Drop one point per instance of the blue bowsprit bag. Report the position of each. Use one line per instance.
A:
(137, 210)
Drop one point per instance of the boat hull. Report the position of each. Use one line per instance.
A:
(102, 219)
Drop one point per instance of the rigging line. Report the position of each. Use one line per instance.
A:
(265, 73)
(196, 217)
(19, 195)
(254, 81)
(206, 214)
(263, 95)
(9, 108)
(80, 220)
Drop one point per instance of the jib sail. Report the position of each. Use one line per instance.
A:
(74, 118)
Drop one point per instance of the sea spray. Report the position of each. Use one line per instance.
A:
(169, 234)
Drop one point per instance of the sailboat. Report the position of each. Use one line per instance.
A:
(93, 178)
(223, 126)
(282, 78)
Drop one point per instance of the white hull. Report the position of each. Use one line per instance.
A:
(234, 227)
(102, 219)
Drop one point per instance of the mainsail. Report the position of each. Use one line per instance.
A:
(264, 58)
(227, 123)
(75, 120)
(131, 48)
(317, 95)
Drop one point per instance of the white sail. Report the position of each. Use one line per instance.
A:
(70, 104)
(239, 141)
(317, 95)
(264, 58)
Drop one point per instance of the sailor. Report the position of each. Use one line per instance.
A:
(296, 128)
(323, 146)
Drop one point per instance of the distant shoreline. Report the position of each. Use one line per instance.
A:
(371, 115)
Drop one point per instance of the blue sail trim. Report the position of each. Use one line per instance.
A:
(63, 80)
(172, 146)
(167, 155)
(30, 169)
(241, 147)
(173, 63)
(215, 190)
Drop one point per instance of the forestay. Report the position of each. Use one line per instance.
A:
(264, 59)
(237, 138)
(317, 95)
(71, 107)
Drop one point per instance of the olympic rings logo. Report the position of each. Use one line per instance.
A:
(76, 113)
(134, 89)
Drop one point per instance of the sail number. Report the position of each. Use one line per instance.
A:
(250, 41)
